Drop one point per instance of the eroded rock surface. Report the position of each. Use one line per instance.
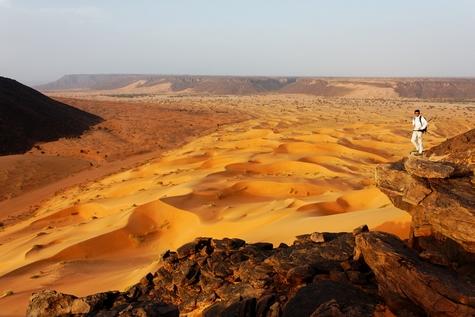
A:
(459, 149)
(436, 275)
(411, 286)
(428, 169)
(232, 278)
(50, 303)
(438, 193)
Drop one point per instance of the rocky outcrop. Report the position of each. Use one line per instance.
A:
(459, 150)
(316, 275)
(50, 303)
(428, 169)
(438, 191)
(435, 273)
(442, 208)
(322, 274)
(410, 286)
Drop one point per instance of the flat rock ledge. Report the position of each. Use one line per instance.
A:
(423, 167)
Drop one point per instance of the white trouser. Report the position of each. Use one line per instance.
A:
(417, 141)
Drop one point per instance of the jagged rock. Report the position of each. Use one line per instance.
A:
(264, 305)
(139, 309)
(316, 237)
(403, 190)
(434, 257)
(423, 167)
(327, 236)
(231, 270)
(439, 194)
(410, 286)
(193, 247)
(360, 229)
(227, 244)
(51, 303)
(305, 279)
(328, 309)
(247, 307)
(459, 150)
(450, 210)
(300, 274)
(350, 301)
(231, 278)
(439, 207)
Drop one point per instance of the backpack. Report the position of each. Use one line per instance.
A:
(425, 129)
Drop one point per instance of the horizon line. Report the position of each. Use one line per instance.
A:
(264, 76)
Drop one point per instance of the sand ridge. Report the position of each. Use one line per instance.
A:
(292, 169)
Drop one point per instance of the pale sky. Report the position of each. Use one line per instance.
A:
(43, 40)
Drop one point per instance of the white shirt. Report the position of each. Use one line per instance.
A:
(419, 123)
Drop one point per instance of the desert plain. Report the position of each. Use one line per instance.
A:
(268, 167)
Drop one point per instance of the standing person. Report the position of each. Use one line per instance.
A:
(419, 126)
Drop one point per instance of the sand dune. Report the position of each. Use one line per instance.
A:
(289, 170)
(353, 201)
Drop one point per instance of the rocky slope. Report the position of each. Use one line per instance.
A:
(219, 85)
(27, 117)
(459, 150)
(322, 274)
(232, 278)
(440, 88)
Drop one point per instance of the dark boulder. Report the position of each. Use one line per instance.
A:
(411, 286)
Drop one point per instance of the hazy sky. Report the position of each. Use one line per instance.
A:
(42, 40)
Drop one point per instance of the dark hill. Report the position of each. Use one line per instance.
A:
(27, 117)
